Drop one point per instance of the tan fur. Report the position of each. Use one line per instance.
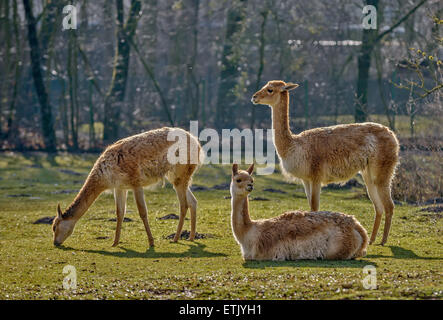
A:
(334, 154)
(132, 163)
(293, 235)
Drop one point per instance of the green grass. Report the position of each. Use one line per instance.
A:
(408, 267)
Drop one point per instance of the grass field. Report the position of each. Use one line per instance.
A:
(31, 185)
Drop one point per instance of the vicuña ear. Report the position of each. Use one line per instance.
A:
(59, 211)
(290, 86)
(234, 169)
(250, 169)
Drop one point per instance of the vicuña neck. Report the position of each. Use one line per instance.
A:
(240, 218)
(91, 189)
(280, 124)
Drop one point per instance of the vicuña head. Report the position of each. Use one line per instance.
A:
(62, 228)
(271, 93)
(242, 182)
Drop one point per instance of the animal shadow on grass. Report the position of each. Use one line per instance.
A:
(309, 264)
(402, 253)
(195, 250)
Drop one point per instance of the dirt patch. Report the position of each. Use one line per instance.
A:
(436, 209)
(35, 166)
(427, 202)
(20, 195)
(185, 235)
(70, 172)
(44, 220)
(101, 238)
(65, 191)
(124, 219)
(353, 183)
(221, 186)
(171, 216)
(274, 190)
(260, 199)
(431, 216)
(358, 195)
(433, 201)
(199, 188)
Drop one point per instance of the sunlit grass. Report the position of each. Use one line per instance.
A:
(409, 266)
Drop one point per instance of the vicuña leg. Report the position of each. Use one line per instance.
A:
(192, 202)
(143, 212)
(388, 205)
(376, 201)
(120, 205)
(181, 195)
(315, 195)
(307, 186)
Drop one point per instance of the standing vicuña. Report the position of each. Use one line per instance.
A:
(133, 163)
(334, 154)
(293, 235)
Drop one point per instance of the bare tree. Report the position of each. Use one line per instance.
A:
(229, 72)
(35, 54)
(370, 38)
(116, 93)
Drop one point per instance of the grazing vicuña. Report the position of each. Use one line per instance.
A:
(132, 163)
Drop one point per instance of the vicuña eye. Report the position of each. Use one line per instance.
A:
(270, 90)
(238, 180)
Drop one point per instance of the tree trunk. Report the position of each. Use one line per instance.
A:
(192, 82)
(157, 87)
(116, 93)
(18, 69)
(390, 115)
(264, 15)
(229, 72)
(45, 107)
(49, 27)
(150, 30)
(5, 25)
(306, 106)
(91, 118)
(369, 40)
(364, 65)
(72, 85)
(64, 112)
